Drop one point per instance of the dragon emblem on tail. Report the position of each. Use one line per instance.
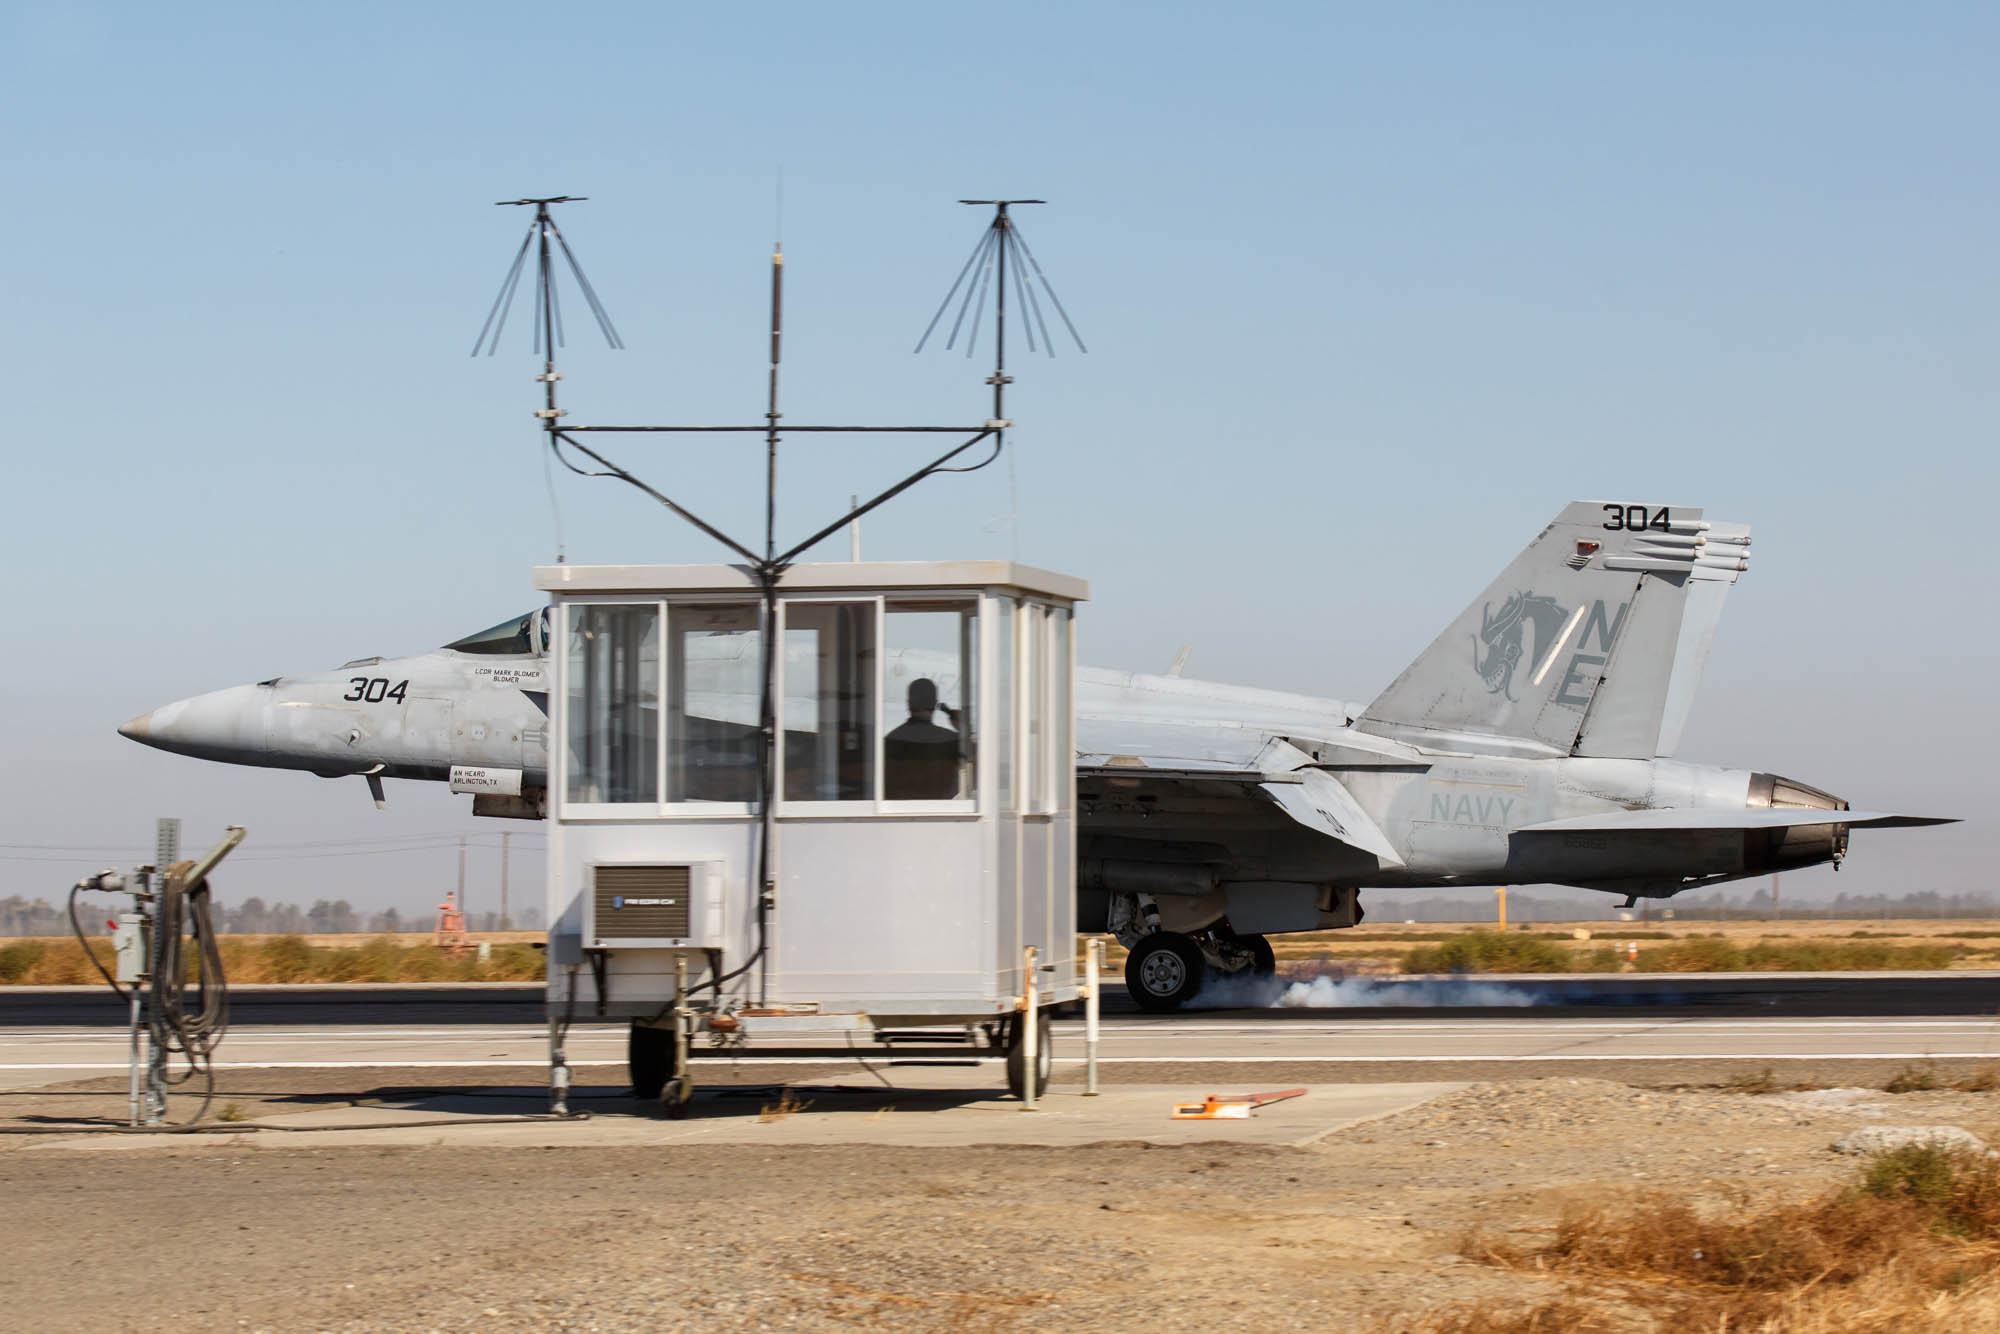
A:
(1500, 636)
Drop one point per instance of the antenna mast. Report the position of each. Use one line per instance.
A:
(997, 246)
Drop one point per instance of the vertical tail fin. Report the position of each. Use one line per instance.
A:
(1590, 643)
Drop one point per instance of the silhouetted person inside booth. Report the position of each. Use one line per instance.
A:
(920, 760)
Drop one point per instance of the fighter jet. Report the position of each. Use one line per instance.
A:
(1532, 742)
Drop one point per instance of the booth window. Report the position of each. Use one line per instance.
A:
(614, 703)
(1034, 704)
(1000, 726)
(829, 705)
(931, 683)
(1062, 754)
(714, 698)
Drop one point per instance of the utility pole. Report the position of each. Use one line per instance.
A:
(461, 881)
(506, 920)
(1777, 909)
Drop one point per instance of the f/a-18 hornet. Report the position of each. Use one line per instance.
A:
(1530, 743)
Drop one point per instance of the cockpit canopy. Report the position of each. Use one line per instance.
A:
(527, 634)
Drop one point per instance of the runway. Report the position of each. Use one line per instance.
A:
(1840, 1028)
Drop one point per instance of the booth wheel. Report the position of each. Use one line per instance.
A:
(1017, 1063)
(649, 1060)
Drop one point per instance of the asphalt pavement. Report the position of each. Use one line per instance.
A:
(1375, 1000)
(1690, 1028)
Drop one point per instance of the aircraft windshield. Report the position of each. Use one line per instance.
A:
(513, 635)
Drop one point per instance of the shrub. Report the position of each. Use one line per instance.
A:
(1912, 1079)
(1957, 1190)
(1489, 952)
(18, 957)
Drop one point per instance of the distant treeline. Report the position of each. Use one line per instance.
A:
(1719, 906)
(253, 916)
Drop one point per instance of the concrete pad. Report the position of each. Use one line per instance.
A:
(851, 1113)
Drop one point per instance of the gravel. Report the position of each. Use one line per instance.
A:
(1360, 1231)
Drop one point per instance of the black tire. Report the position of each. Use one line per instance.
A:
(1017, 1065)
(1163, 972)
(649, 1060)
(1263, 959)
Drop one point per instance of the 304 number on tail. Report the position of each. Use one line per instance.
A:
(1635, 518)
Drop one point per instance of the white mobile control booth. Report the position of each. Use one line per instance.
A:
(917, 868)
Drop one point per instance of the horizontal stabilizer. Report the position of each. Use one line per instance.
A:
(1698, 818)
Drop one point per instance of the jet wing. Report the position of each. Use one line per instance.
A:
(1277, 771)
(1318, 801)
(1749, 818)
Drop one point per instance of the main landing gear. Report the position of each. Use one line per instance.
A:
(1166, 969)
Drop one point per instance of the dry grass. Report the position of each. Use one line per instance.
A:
(1565, 1315)
(289, 959)
(1982, 1080)
(1490, 952)
(1913, 1246)
(1762, 1081)
(788, 1102)
(1913, 1079)
(1918, 944)
(1525, 952)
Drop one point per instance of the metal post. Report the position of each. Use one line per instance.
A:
(506, 919)
(1502, 892)
(1029, 1034)
(1093, 967)
(683, 1077)
(461, 882)
(133, 988)
(558, 1067)
(154, 1098)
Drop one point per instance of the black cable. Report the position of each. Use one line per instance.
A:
(184, 913)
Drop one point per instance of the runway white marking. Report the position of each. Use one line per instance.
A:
(1110, 1028)
(840, 1059)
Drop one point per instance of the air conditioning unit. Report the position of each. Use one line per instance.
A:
(654, 905)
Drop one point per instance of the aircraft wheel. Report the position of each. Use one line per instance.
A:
(1163, 971)
(1263, 959)
(649, 1060)
(1017, 1064)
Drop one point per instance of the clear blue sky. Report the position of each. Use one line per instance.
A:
(1370, 292)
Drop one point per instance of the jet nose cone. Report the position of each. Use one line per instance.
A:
(227, 725)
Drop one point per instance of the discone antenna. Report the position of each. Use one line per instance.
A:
(545, 239)
(1000, 263)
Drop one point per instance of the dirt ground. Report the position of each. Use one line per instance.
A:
(1360, 1231)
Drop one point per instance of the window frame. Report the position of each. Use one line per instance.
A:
(1028, 643)
(808, 807)
(559, 756)
(971, 804)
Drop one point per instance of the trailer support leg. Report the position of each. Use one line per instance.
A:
(1030, 1032)
(681, 1094)
(558, 1068)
